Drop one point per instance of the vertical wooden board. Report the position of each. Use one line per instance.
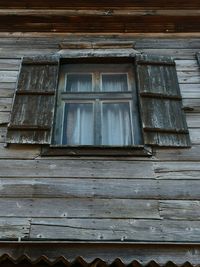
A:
(173, 139)
(28, 137)
(40, 78)
(27, 110)
(162, 113)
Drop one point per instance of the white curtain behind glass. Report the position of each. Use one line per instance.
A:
(79, 83)
(116, 124)
(114, 82)
(80, 124)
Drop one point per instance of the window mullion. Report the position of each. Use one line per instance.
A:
(97, 110)
(97, 120)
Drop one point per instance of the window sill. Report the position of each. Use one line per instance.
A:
(58, 150)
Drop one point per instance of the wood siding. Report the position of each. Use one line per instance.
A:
(143, 199)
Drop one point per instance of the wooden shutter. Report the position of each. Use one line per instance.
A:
(163, 119)
(33, 107)
(198, 58)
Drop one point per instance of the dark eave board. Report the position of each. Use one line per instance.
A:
(99, 23)
(92, 16)
(90, 4)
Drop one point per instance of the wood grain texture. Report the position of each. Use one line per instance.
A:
(17, 152)
(105, 4)
(14, 229)
(106, 199)
(109, 229)
(99, 188)
(188, 154)
(177, 170)
(180, 210)
(76, 168)
(33, 111)
(78, 208)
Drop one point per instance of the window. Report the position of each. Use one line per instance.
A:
(132, 102)
(97, 105)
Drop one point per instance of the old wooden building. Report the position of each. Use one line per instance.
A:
(99, 133)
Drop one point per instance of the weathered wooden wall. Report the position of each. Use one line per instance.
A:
(101, 199)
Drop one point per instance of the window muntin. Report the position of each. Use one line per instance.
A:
(109, 90)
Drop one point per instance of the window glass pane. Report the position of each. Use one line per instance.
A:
(116, 124)
(79, 82)
(114, 82)
(79, 124)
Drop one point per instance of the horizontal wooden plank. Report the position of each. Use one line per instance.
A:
(105, 4)
(78, 208)
(141, 42)
(175, 53)
(68, 188)
(191, 104)
(178, 189)
(98, 12)
(17, 54)
(108, 23)
(9, 64)
(76, 168)
(4, 118)
(8, 76)
(187, 154)
(177, 170)
(18, 152)
(187, 65)
(190, 90)
(188, 77)
(5, 104)
(180, 210)
(6, 92)
(193, 120)
(99, 188)
(118, 230)
(14, 229)
(195, 135)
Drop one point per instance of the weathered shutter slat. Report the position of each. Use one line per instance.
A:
(163, 118)
(198, 57)
(33, 108)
